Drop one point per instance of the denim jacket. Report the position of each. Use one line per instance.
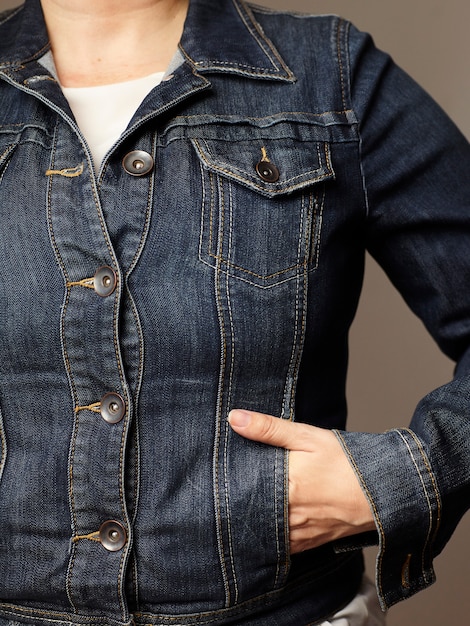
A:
(215, 261)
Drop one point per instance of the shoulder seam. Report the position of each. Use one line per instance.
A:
(5, 15)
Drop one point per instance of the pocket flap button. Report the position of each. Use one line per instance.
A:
(267, 171)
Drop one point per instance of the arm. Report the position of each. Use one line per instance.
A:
(416, 479)
(413, 482)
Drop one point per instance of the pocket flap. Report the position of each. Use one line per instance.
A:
(292, 165)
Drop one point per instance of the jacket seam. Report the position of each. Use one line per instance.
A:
(6, 15)
(230, 382)
(3, 446)
(434, 517)
(342, 77)
(378, 522)
(218, 428)
(347, 55)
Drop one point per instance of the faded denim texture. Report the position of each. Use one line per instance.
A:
(224, 288)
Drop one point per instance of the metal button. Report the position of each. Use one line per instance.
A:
(138, 163)
(105, 281)
(112, 408)
(267, 171)
(113, 536)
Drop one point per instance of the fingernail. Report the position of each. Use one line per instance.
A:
(239, 418)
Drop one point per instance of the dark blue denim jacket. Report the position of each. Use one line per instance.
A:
(215, 261)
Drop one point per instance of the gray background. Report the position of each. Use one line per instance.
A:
(393, 361)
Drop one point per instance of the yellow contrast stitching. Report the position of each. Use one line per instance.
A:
(264, 153)
(374, 509)
(85, 282)
(211, 214)
(434, 523)
(430, 473)
(228, 591)
(229, 394)
(90, 537)
(95, 407)
(340, 62)
(68, 172)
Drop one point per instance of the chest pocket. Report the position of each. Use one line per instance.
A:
(262, 206)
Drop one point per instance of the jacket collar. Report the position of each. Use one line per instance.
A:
(224, 36)
(219, 36)
(23, 35)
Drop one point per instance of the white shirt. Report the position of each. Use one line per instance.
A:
(104, 112)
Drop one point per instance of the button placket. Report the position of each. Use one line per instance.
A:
(90, 323)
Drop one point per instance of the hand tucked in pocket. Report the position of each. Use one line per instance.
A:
(326, 501)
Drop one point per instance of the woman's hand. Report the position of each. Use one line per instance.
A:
(326, 501)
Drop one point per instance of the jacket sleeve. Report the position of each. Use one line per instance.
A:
(415, 167)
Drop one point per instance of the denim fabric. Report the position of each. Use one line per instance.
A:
(232, 289)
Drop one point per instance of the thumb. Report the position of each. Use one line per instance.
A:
(266, 428)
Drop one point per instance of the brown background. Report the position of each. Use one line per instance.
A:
(393, 361)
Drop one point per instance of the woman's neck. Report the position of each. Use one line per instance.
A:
(98, 42)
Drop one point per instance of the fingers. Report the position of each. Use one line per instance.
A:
(271, 430)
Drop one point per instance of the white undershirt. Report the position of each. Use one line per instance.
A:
(363, 610)
(103, 113)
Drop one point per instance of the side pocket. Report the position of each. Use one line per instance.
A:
(255, 537)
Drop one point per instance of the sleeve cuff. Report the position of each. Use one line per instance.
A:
(396, 476)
